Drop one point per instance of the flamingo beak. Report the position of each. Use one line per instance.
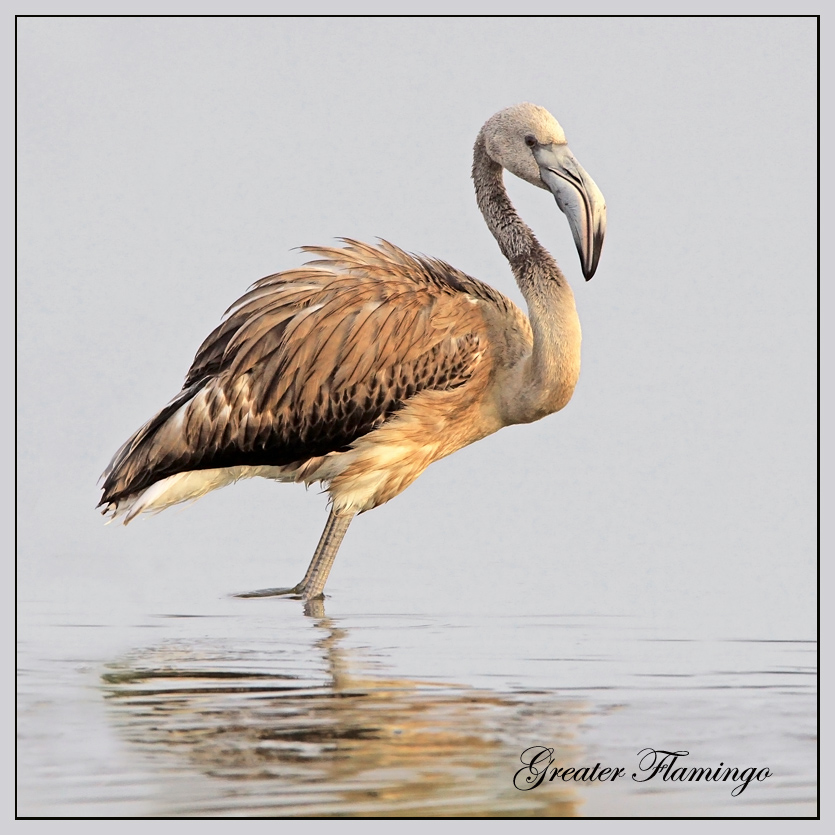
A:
(579, 199)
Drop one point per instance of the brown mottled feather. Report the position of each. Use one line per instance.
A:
(310, 360)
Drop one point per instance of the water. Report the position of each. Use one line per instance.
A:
(256, 708)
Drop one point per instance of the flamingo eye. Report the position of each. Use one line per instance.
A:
(530, 140)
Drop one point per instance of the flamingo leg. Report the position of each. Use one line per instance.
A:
(313, 583)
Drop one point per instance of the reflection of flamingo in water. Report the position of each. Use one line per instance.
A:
(363, 367)
(285, 728)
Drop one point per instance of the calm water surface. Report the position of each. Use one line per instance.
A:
(254, 707)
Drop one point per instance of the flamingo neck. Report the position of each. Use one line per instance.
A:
(544, 380)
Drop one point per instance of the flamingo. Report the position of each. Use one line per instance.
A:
(365, 365)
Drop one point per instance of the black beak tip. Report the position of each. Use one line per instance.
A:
(590, 269)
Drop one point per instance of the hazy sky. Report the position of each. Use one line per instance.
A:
(166, 164)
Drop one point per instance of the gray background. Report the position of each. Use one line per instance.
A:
(166, 164)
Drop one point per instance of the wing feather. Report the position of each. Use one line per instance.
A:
(309, 360)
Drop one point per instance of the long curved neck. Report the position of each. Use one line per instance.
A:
(544, 381)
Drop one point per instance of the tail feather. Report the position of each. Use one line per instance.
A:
(177, 488)
(142, 460)
(187, 487)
